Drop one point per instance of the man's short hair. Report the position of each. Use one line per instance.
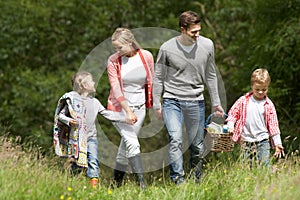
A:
(188, 18)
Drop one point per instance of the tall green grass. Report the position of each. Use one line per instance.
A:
(26, 174)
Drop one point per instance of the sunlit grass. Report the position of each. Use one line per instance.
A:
(26, 175)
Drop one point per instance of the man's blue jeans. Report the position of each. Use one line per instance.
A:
(192, 114)
(93, 161)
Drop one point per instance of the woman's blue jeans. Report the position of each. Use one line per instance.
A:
(192, 115)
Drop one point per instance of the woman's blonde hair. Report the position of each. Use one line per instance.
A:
(125, 36)
(260, 76)
(78, 80)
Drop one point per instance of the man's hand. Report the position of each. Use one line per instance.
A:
(218, 111)
(158, 113)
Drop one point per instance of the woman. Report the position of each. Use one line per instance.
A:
(130, 72)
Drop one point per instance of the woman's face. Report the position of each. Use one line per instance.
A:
(122, 49)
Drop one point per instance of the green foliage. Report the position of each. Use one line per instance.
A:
(252, 34)
(33, 96)
(43, 43)
(276, 48)
(51, 33)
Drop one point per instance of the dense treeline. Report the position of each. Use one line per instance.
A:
(44, 42)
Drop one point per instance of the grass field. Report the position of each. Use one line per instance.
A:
(28, 175)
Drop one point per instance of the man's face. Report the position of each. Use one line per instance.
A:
(192, 33)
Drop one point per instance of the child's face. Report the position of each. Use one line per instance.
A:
(259, 91)
(89, 84)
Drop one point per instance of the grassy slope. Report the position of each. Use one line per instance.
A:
(29, 176)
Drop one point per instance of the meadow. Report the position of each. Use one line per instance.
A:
(27, 174)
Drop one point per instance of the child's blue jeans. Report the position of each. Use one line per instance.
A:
(257, 152)
(93, 161)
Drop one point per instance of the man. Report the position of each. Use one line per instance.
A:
(184, 64)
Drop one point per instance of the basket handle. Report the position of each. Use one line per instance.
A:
(211, 116)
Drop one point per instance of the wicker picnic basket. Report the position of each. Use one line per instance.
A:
(217, 141)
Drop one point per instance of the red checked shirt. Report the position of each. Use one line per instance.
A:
(238, 112)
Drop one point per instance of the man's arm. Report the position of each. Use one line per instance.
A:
(158, 82)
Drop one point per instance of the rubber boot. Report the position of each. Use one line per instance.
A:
(119, 173)
(197, 165)
(137, 168)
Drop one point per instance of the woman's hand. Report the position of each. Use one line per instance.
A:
(131, 118)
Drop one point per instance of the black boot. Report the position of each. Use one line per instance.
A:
(119, 173)
(196, 164)
(137, 168)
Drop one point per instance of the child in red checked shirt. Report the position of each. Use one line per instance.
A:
(253, 121)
